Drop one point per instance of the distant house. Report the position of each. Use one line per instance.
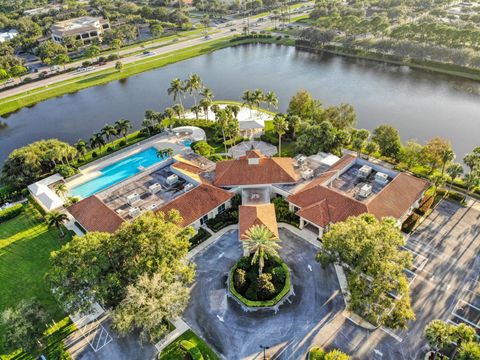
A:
(85, 28)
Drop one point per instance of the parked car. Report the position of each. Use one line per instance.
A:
(208, 37)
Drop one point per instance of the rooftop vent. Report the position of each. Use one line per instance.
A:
(172, 179)
(365, 191)
(364, 171)
(134, 212)
(187, 187)
(381, 178)
(307, 173)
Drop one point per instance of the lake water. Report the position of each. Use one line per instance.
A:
(420, 104)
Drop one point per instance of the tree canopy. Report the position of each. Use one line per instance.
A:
(371, 253)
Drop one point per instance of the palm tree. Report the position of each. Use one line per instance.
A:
(108, 131)
(147, 124)
(462, 333)
(280, 126)
(196, 110)
(262, 243)
(205, 105)
(176, 89)
(247, 99)
(56, 219)
(258, 97)
(207, 94)
(454, 171)
(193, 85)
(446, 156)
(222, 121)
(81, 146)
(438, 335)
(235, 109)
(61, 189)
(97, 140)
(122, 126)
(179, 110)
(271, 99)
(163, 153)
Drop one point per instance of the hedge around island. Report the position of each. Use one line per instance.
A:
(265, 303)
(11, 212)
(192, 350)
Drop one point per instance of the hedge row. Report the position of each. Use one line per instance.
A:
(192, 349)
(11, 212)
(267, 303)
(199, 238)
(409, 224)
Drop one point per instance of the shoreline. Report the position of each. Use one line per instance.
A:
(29, 98)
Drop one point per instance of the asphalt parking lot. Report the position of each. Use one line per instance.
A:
(236, 334)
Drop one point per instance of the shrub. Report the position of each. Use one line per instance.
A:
(65, 170)
(266, 289)
(26, 79)
(94, 154)
(86, 63)
(199, 237)
(316, 354)
(278, 276)
(122, 142)
(11, 212)
(109, 149)
(192, 350)
(112, 57)
(251, 293)
(410, 222)
(426, 204)
(240, 280)
(244, 263)
(202, 148)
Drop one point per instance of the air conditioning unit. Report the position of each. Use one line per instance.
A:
(307, 173)
(152, 207)
(133, 198)
(154, 188)
(364, 171)
(134, 212)
(381, 178)
(187, 187)
(172, 179)
(365, 191)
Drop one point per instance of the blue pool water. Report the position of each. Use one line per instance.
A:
(187, 142)
(113, 174)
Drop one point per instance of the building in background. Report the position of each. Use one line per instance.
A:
(85, 28)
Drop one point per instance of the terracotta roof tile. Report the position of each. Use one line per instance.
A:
(275, 170)
(250, 215)
(197, 202)
(94, 215)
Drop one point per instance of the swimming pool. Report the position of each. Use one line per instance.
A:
(187, 142)
(119, 171)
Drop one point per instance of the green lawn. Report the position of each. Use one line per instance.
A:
(173, 351)
(25, 246)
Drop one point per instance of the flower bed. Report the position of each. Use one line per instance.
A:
(249, 290)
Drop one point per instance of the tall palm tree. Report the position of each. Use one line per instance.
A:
(235, 109)
(207, 94)
(262, 243)
(196, 110)
(222, 121)
(271, 99)
(81, 146)
(56, 219)
(61, 189)
(446, 156)
(97, 140)
(122, 126)
(205, 105)
(109, 131)
(258, 97)
(167, 152)
(280, 126)
(179, 110)
(193, 85)
(147, 124)
(454, 171)
(176, 89)
(247, 99)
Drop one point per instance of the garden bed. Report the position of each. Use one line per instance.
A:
(244, 283)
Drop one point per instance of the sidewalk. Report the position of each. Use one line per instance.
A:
(180, 328)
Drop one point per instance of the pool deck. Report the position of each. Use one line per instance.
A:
(160, 141)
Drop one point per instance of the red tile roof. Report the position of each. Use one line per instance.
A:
(275, 170)
(250, 215)
(94, 215)
(197, 202)
(322, 205)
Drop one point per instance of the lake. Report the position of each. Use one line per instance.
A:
(419, 104)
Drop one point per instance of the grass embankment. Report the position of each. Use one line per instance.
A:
(174, 352)
(25, 246)
(28, 98)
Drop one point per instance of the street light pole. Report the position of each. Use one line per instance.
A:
(264, 349)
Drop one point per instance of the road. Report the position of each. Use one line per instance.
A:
(221, 32)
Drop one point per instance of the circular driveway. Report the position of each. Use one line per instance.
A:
(235, 334)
